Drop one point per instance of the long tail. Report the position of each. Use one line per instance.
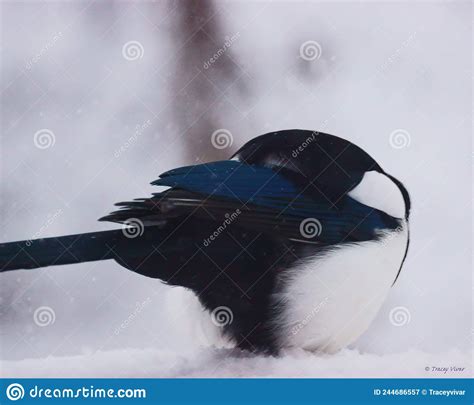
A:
(86, 247)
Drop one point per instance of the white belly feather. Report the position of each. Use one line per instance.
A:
(331, 300)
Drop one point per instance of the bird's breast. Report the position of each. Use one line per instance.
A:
(327, 302)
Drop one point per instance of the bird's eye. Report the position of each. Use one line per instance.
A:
(378, 191)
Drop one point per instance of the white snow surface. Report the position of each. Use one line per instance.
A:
(213, 362)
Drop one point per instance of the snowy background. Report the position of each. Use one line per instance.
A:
(98, 98)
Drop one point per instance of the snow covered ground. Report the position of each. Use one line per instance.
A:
(383, 68)
(211, 362)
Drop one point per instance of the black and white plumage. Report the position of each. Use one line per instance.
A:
(300, 235)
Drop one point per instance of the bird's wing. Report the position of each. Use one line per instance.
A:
(253, 197)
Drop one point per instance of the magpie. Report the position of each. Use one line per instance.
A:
(298, 238)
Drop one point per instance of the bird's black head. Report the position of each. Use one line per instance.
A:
(328, 165)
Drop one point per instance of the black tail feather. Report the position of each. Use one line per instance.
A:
(85, 247)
